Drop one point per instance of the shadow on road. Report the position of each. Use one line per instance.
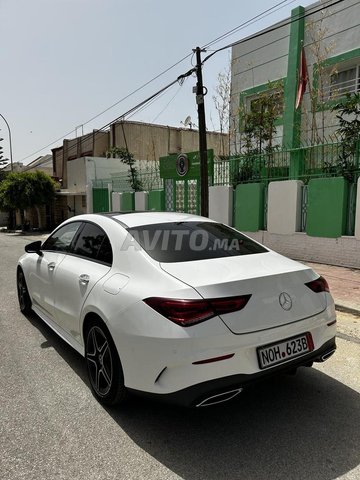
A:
(303, 428)
(73, 358)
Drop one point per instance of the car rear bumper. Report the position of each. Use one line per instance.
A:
(222, 389)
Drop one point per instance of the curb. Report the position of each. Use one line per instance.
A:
(344, 309)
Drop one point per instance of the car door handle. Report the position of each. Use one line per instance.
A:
(51, 266)
(84, 279)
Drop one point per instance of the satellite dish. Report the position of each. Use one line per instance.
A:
(187, 121)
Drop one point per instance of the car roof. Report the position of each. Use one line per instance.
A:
(137, 219)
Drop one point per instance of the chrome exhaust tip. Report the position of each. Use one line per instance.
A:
(220, 398)
(327, 355)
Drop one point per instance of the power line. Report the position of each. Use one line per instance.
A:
(273, 29)
(137, 90)
(188, 73)
(252, 20)
(249, 22)
(338, 32)
(182, 77)
(166, 106)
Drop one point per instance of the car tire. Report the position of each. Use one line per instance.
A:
(23, 293)
(103, 365)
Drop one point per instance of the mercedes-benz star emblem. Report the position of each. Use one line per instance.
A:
(285, 301)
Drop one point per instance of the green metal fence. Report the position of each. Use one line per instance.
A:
(305, 163)
(323, 160)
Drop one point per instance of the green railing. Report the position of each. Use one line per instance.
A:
(303, 163)
(121, 183)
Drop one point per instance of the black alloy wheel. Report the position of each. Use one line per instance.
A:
(23, 293)
(103, 365)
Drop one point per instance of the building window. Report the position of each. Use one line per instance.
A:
(262, 102)
(344, 81)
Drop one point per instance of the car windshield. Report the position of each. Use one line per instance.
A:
(189, 241)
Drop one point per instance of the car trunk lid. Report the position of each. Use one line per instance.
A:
(277, 286)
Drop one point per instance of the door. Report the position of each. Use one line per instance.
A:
(41, 282)
(42, 279)
(78, 273)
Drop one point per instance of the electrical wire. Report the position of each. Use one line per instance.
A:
(249, 22)
(155, 78)
(338, 32)
(181, 78)
(273, 29)
(166, 106)
(138, 89)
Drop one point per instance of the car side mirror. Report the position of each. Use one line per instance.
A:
(34, 247)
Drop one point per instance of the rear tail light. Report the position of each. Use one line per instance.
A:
(191, 312)
(318, 285)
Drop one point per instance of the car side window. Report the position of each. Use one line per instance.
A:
(93, 243)
(61, 239)
(105, 253)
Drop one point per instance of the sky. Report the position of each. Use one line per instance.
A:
(63, 62)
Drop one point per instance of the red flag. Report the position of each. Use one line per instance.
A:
(303, 78)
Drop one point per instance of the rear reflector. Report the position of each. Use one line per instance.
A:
(331, 323)
(191, 312)
(310, 341)
(214, 359)
(318, 285)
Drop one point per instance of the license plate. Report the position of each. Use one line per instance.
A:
(280, 352)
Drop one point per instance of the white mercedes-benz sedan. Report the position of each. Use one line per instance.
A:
(175, 306)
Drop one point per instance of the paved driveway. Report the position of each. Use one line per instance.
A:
(303, 427)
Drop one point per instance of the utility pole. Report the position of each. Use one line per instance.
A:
(201, 91)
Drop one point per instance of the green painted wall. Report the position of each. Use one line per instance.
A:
(327, 207)
(100, 200)
(157, 200)
(128, 201)
(249, 207)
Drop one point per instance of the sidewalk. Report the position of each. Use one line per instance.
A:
(344, 286)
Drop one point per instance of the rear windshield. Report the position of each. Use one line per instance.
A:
(189, 241)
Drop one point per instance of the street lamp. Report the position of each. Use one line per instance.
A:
(11, 156)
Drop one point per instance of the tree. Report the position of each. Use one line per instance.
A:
(258, 131)
(348, 114)
(319, 92)
(128, 159)
(22, 190)
(222, 102)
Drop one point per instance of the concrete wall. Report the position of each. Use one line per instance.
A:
(221, 204)
(284, 207)
(343, 251)
(284, 211)
(141, 201)
(150, 142)
(254, 63)
(57, 154)
(82, 171)
(330, 24)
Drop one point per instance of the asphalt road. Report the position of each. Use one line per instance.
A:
(295, 427)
